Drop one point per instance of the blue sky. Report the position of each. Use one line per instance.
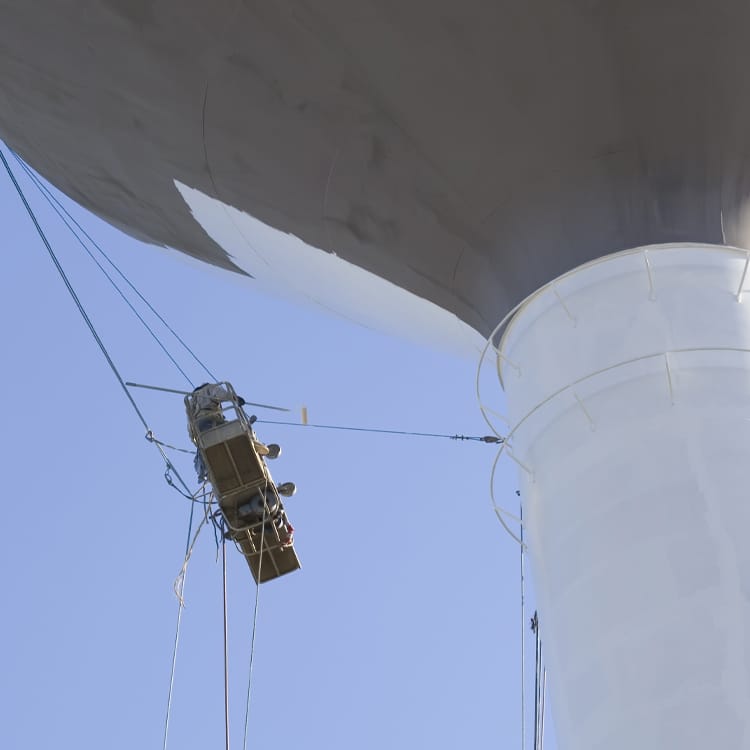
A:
(402, 628)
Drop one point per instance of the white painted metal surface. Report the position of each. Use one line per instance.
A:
(284, 265)
(631, 409)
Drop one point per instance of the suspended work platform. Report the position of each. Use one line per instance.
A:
(232, 458)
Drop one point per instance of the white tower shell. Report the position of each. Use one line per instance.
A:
(628, 382)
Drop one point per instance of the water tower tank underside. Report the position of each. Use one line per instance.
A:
(468, 153)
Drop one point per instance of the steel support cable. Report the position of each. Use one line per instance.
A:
(85, 316)
(70, 289)
(51, 199)
(117, 375)
(483, 439)
(153, 439)
(45, 194)
(255, 627)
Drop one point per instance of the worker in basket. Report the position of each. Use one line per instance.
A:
(207, 412)
(264, 509)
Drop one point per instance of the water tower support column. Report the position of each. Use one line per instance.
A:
(629, 396)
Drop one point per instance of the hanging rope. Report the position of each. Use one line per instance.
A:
(226, 637)
(540, 686)
(523, 637)
(179, 582)
(179, 589)
(67, 218)
(255, 626)
(180, 606)
(541, 709)
(537, 679)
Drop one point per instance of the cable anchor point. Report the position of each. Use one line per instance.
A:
(486, 439)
